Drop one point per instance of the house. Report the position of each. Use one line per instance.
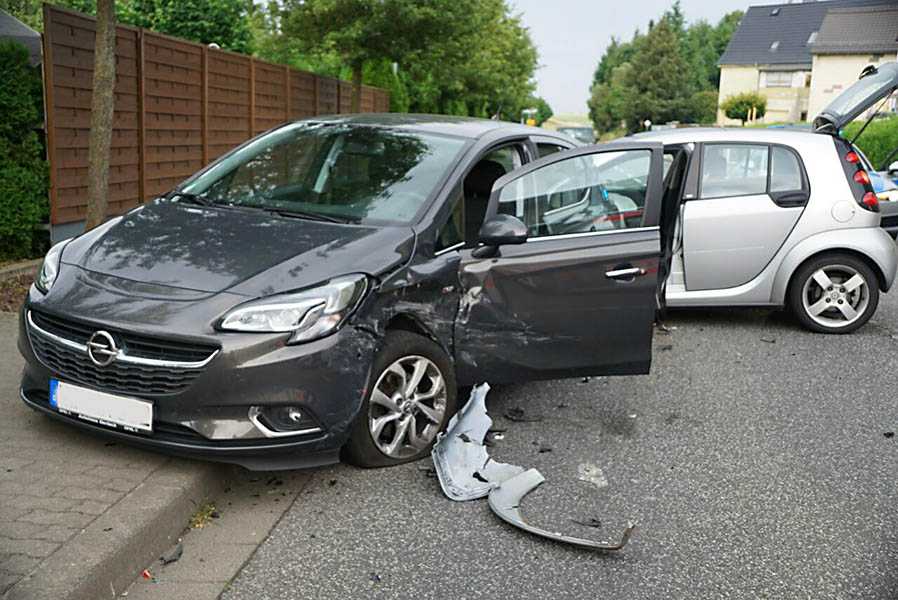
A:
(14, 30)
(771, 53)
(850, 39)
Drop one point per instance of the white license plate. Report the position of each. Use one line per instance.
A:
(110, 410)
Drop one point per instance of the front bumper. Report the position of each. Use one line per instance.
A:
(209, 418)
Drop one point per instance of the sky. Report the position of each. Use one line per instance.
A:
(571, 36)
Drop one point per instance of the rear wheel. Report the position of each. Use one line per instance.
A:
(410, 400)
(835, 293)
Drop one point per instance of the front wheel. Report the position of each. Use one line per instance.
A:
(410, 399)
(835, 293)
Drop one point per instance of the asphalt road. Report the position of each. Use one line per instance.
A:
(755, 459)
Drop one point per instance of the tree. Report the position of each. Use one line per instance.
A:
(744, 106)
(361, 31)
(101, 114)
(223, 22)
(543, 110)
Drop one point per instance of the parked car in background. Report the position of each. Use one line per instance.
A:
(584, 135)
(777, 217)
(328, 287)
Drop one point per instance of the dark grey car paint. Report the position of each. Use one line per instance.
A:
(171, 270)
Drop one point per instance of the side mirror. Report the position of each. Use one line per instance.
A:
(893, 168)
(500, 231)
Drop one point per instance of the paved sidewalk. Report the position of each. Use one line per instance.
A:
(71, 503)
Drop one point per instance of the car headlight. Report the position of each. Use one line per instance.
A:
(50, 268)
(310, 314)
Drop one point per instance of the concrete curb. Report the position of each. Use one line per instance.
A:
(102, 560)
(25, 267)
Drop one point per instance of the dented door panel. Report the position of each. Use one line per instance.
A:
(546, 309)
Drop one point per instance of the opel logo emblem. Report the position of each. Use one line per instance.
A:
(101, 349)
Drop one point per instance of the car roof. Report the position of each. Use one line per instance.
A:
(466, 127)
(730, 134)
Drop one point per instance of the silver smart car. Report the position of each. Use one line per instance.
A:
(780, 218)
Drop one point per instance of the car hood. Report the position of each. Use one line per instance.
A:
(874, 84)
(248, 252)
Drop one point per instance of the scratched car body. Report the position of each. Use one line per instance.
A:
(326, 289)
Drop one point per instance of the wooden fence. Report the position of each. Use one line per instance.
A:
(178, 106)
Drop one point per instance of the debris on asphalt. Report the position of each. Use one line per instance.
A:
(467, 472)
(146, 574)
(584, 380)
(889, 435)
(505, 501)
(541, 447)
(590, 522)
(460, 457)
(203, 516)
(665, 329)
(591, 473)
(518, 415)
(768, 340)
(665, 348)
(173, 555)
(374, 577)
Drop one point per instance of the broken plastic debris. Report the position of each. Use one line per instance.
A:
(590, 473)
(505, 501)
(467, 472)
(146, 574)
(463, 466)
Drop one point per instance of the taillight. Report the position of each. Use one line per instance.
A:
(862, 177)
(852, 157)
(871, 201)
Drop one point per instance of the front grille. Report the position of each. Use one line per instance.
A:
(136, 376)
(133, 344)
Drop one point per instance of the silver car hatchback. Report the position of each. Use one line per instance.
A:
(780, 218)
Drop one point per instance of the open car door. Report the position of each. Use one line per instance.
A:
(564, 282)
(874, 84)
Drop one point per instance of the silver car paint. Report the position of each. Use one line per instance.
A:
(831, 221)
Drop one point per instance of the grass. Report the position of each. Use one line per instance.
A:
(203, 516)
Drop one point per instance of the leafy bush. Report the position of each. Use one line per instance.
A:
(739, 106)
(23, 171)
(704, 106)
(879, 139)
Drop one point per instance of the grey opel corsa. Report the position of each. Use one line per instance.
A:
(326, 289)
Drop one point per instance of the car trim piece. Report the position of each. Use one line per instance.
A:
(121, 355)
(456, 246)
(253, 415)
(570, 236)
(505, 501)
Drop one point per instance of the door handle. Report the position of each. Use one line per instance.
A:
(628, 273)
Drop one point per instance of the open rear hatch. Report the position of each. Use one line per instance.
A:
(874, 84)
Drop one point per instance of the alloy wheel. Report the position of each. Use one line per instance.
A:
(407, 406)
(835, 296)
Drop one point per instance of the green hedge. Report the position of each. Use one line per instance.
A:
(23, 170)
(879, 139)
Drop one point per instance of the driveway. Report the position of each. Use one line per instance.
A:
(757, 460)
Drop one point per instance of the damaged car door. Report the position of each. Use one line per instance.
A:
(565, 279)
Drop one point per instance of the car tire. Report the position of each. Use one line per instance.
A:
(821, 302)
(398, 423)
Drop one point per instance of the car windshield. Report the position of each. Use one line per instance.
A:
(337, 172)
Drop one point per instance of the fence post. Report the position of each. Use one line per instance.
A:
(49, 112)
(204, 122)
(315, 110)
(252, 96)
(141, 121)
(287, 97)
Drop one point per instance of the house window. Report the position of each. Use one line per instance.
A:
(778, 79)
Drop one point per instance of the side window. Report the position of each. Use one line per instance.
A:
(785, 172)
(594, 192)
(471, 198)
(734, 170)
(545, 149)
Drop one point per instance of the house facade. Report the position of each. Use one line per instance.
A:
(773, 53)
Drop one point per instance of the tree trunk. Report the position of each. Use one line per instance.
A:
(357, 88)
(101, 112)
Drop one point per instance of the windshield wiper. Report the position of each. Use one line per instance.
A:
(302, 214)
(194, 198)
